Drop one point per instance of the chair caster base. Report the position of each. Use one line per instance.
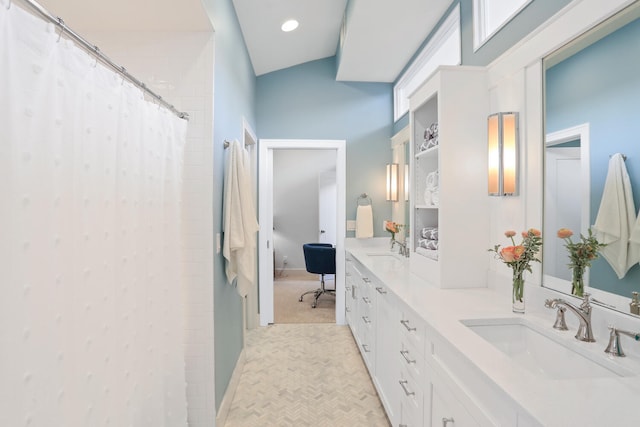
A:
(300, 299)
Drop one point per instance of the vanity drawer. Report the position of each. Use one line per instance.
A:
(412, 330)
(411, 360)
(411, 400)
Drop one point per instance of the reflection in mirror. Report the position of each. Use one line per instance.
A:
(400, 155)
(592, 111)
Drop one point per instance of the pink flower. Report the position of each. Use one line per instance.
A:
(535, 232)
(509, 233)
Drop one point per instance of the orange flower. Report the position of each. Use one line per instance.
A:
(511, 253)
(565, 233)
(392, 227)
(509, 233)
(535, 232)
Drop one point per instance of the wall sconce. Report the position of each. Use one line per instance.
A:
(392, 182)
(406, 183)
(503, 154)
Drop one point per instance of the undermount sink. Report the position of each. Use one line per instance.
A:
(385, 256)
(540, 352)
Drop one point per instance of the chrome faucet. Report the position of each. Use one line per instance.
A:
(404, 249)
(583, 312)
(614, 348)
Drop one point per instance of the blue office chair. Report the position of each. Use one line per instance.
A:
(319, 258)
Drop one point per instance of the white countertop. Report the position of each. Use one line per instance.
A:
(552, 402)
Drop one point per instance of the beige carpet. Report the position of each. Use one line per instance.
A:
(288, 308)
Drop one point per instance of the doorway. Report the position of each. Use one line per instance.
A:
(269, 227)
(566, 170)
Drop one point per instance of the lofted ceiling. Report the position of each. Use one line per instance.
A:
(378, 38)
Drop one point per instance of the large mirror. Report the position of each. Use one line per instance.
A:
(592, 112)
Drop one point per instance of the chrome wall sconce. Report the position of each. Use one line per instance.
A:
(392, 182)
(503, 154)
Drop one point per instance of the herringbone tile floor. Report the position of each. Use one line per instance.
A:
(304, 375)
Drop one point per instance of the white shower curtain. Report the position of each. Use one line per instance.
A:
(91, 311)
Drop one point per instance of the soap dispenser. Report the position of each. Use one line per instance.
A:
(634, 306)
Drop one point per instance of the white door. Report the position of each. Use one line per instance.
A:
(327, 195)
(265, 208)
(563, 206)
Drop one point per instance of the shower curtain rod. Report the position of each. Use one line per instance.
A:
(94, 50)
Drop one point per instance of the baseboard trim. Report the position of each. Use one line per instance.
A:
(225, 405)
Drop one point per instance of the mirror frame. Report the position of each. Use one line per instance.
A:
(599, 30)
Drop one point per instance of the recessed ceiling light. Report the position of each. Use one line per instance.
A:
(289, 25)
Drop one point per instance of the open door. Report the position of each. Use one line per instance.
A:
(265, 208)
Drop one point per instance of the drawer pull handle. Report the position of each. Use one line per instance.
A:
(404, 387)
(381, 290)
(366, 319)
(365, 299)
(366, 280)
(366, 348)
(405, 354)
(406, 325)
(446, 421)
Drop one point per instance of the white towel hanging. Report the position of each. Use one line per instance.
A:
(364, 222)
(616, 218)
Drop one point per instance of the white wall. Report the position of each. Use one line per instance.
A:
(179, 67)
(295, 201)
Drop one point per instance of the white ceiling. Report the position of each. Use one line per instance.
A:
(130, 15)
(272, 49)
(380, 36)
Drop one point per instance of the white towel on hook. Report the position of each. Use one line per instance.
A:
(239, 220)
(616, 218)
(364, 222)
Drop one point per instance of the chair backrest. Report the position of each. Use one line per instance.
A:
(320, 258)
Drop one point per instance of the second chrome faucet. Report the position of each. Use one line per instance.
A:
(583, 312)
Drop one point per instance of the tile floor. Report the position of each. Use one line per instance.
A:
(304, 375)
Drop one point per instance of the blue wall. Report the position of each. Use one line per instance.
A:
(601, 86)
(234, 98)
(306, 102)
(529, 18)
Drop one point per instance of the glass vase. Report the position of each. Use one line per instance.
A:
(577, 281)
(517, 294)
(393, 240)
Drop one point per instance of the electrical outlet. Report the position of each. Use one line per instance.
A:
(285, 259)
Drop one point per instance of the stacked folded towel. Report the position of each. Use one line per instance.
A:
(430, 137)
(429, 242)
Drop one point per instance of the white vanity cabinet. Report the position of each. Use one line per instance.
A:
(421, 377)
(361, 315)
(388, 342)
(351, 291)
(451, 107)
